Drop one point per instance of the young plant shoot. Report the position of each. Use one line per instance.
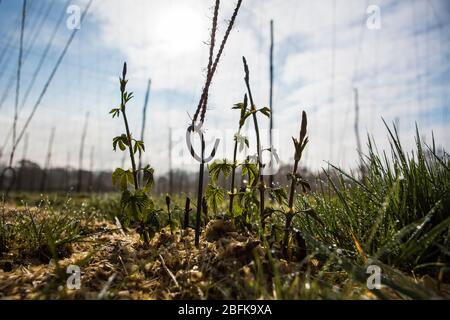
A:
(135, 201)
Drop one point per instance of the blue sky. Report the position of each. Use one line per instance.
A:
(402, 71)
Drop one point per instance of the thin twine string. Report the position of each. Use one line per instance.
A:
(201, 108)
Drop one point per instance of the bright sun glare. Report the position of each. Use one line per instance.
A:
(180, 29)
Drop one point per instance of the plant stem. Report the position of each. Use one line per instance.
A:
(299, 146)
(144, 117)
(130, 147)
(170, 162)
(186, 213)
(205, 210)
(19, 68)
(199, 194)
(170, 217)
(235, 165)
(290, 213)
(81, 153)
(47, 162)
(261, 186)
(271, 99)
(233, 172)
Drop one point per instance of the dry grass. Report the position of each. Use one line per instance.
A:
(228, 264)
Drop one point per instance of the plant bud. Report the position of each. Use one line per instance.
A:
(168, 201)
(124, 71)
(303, 126)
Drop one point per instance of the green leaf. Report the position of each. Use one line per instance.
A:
(153, 224)
(299, 181)
(243, 107)
(217, 167)
(119, 178)
(305, 185)
(127, 96)
(247, 114)
(173, 224)
(305, 142)
(115, 112)
(122, 145)
(123, 84)
(115, 141)
(241, 140)
(248, 199)
(134, 203)
(130, 176)
(279, 194)
(138, 146)
(214, 197)
(125, 139)
(121, 141)
(148, 176)
(265, 111)
(268, 211)
(238, 106)
(153, 221)
(251, 170)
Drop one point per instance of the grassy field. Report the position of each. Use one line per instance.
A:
(395, 216)
(379, 232)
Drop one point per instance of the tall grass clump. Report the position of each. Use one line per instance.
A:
(6, 233)
(399, 214)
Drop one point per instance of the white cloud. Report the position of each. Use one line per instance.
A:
(385, 62)
(394, 68)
